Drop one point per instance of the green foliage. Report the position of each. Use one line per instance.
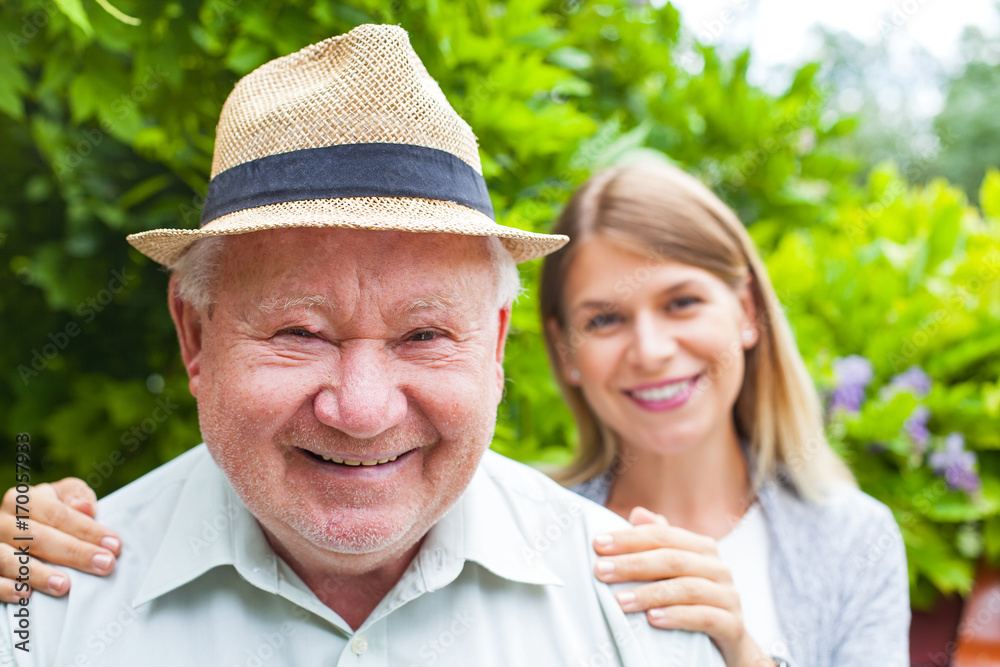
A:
(110, 124)
(910, 277)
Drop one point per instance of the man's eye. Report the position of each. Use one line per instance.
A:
(421, 336)
(601, 320)
(298, 332)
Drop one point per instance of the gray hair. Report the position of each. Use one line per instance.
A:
(196, 270)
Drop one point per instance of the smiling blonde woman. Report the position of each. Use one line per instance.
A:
(698, 421)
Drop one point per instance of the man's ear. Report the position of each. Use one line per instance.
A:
(504, 327)
(187, 321)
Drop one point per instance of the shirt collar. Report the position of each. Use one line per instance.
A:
(481, 527)
(211, 527)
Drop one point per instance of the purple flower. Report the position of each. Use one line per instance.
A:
(915, 428)
(913, 380)
(854, 370)
(962, 479)
(847, 398)
(851, 375)
(956, 463)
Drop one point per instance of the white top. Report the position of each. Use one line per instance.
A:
(838, 575)
(745, 551)
(505, 578)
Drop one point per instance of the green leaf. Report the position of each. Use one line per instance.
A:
(73, 9)
(991, 538)
(12, 84)
(540, 38)
(571, 58)
(618, 150)
(946, 223)
(572, 87)
(989, 194)
(246, 55)
(969, 542)
(956, 508)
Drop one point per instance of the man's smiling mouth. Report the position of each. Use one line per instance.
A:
(352, 462)
(348, 462)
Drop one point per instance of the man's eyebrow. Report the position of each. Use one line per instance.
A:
(288, 301)
(433, 301)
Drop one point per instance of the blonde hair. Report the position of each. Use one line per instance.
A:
(659, 211)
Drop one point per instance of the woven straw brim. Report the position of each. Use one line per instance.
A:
(375, 213)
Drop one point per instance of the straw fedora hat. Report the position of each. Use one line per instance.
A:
(351, 132)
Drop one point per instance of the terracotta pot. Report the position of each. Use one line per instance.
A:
(979, 632)
(960, 633)
(932, 633)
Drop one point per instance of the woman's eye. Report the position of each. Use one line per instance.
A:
(601, 320)
(683, 302)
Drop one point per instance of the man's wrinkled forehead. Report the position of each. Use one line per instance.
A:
(308, 267)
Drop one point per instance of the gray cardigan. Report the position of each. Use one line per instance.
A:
(838, 576)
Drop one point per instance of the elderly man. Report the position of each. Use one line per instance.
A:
(342, 314)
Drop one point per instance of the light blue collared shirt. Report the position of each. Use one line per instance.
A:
(504, 578)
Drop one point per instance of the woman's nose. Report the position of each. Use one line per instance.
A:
(652, 343)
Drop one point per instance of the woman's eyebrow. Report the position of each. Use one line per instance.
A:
(595, 305)
(682, 285)
(611, 305)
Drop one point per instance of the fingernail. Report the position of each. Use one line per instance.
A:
(56, 583)
(626, 600)
(605, 566)
(102, 561)
(657, 614)
(111, 543)
(604, 540)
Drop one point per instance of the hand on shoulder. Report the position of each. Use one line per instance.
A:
(690, 587)
(61, 522)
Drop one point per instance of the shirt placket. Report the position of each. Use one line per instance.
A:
(367, 647)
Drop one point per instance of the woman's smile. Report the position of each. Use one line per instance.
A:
(664, 395)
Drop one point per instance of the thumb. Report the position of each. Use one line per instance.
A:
(640, 516)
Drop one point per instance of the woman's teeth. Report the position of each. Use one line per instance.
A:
(661, 393)
(373, 462)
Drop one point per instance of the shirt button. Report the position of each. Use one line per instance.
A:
(359, 644)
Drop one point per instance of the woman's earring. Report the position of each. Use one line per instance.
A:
(574, 375)
(747, 336)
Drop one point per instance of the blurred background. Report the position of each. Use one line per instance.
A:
(858, 141)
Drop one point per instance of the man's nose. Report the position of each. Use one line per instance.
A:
(652, 342)
(363, 398)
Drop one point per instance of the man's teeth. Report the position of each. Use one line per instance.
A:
(661, 393)
(346, 462)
